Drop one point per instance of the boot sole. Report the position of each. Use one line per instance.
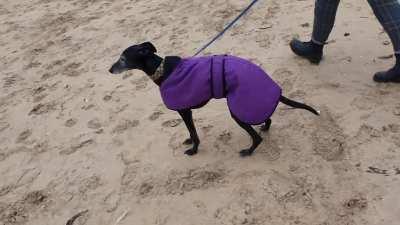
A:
(379, 80)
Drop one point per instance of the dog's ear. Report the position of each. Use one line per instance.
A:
(147, 47)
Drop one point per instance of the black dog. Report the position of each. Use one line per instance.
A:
(143, 57)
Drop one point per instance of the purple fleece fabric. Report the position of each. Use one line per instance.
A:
(251, 94)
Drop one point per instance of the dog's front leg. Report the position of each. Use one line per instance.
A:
(188, 119)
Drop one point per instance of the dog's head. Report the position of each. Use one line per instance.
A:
(133, 57)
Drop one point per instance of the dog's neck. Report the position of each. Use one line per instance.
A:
(151, 64)
(159, 69)
(154, 67)
(158, 73)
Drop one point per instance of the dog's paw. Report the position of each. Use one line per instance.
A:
(264, 128)
(246, 152)
(191, 152)
(188, 141)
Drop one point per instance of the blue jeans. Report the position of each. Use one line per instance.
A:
(386, 11)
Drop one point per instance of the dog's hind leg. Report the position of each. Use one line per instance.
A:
(194, 138)
(188, 141)
(266, 126)
(256, 139)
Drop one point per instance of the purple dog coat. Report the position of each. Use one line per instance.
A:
(251, 94)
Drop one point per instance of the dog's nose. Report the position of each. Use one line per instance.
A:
(110, 70)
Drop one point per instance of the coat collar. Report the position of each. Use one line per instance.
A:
(168, 66)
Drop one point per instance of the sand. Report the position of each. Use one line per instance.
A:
(76, 140)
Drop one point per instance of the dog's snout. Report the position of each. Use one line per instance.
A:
(117, 68)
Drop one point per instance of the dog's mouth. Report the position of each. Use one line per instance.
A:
(114, 71)
(117, 69)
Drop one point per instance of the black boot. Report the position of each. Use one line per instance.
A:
(308, 50)
(392, 75)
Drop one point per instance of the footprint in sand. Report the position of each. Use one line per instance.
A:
(40, 148)
(194, 179)
(94, 124)
(56, 63)
(176, 144)
(141, 83)
(32, 64)
(273, 10)
(43, 108)
(111, 201)
(300, 94)
(270, 149)
(155, 115)
(129, 175)
(263, 40)
(72, 69)
(125, 125)
(120, 108)
(90, 184)
(328, 138)
(369, 131)
(207, 129)
(145, 188)
(28, 177)
(393, 128)
(10, 81)
(225, 137)
(172, 123)
(239, 212)
(70, 122)
(287, 77)
(24, 135)
(356, 204)
(39, 98)
(107, 98)
(3, 156)
(38, 90)
(47, 75)
(4, 190)
(13, 214)
(36, 198)
(4, 126)
(116, 142)
(364, 102)
(396, 111)
(76, 146)
(88, 107)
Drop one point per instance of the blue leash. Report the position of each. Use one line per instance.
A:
(227, 27)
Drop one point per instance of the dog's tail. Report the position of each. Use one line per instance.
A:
(297, 105)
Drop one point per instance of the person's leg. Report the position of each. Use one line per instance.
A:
(324, 20)
(388, 14)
